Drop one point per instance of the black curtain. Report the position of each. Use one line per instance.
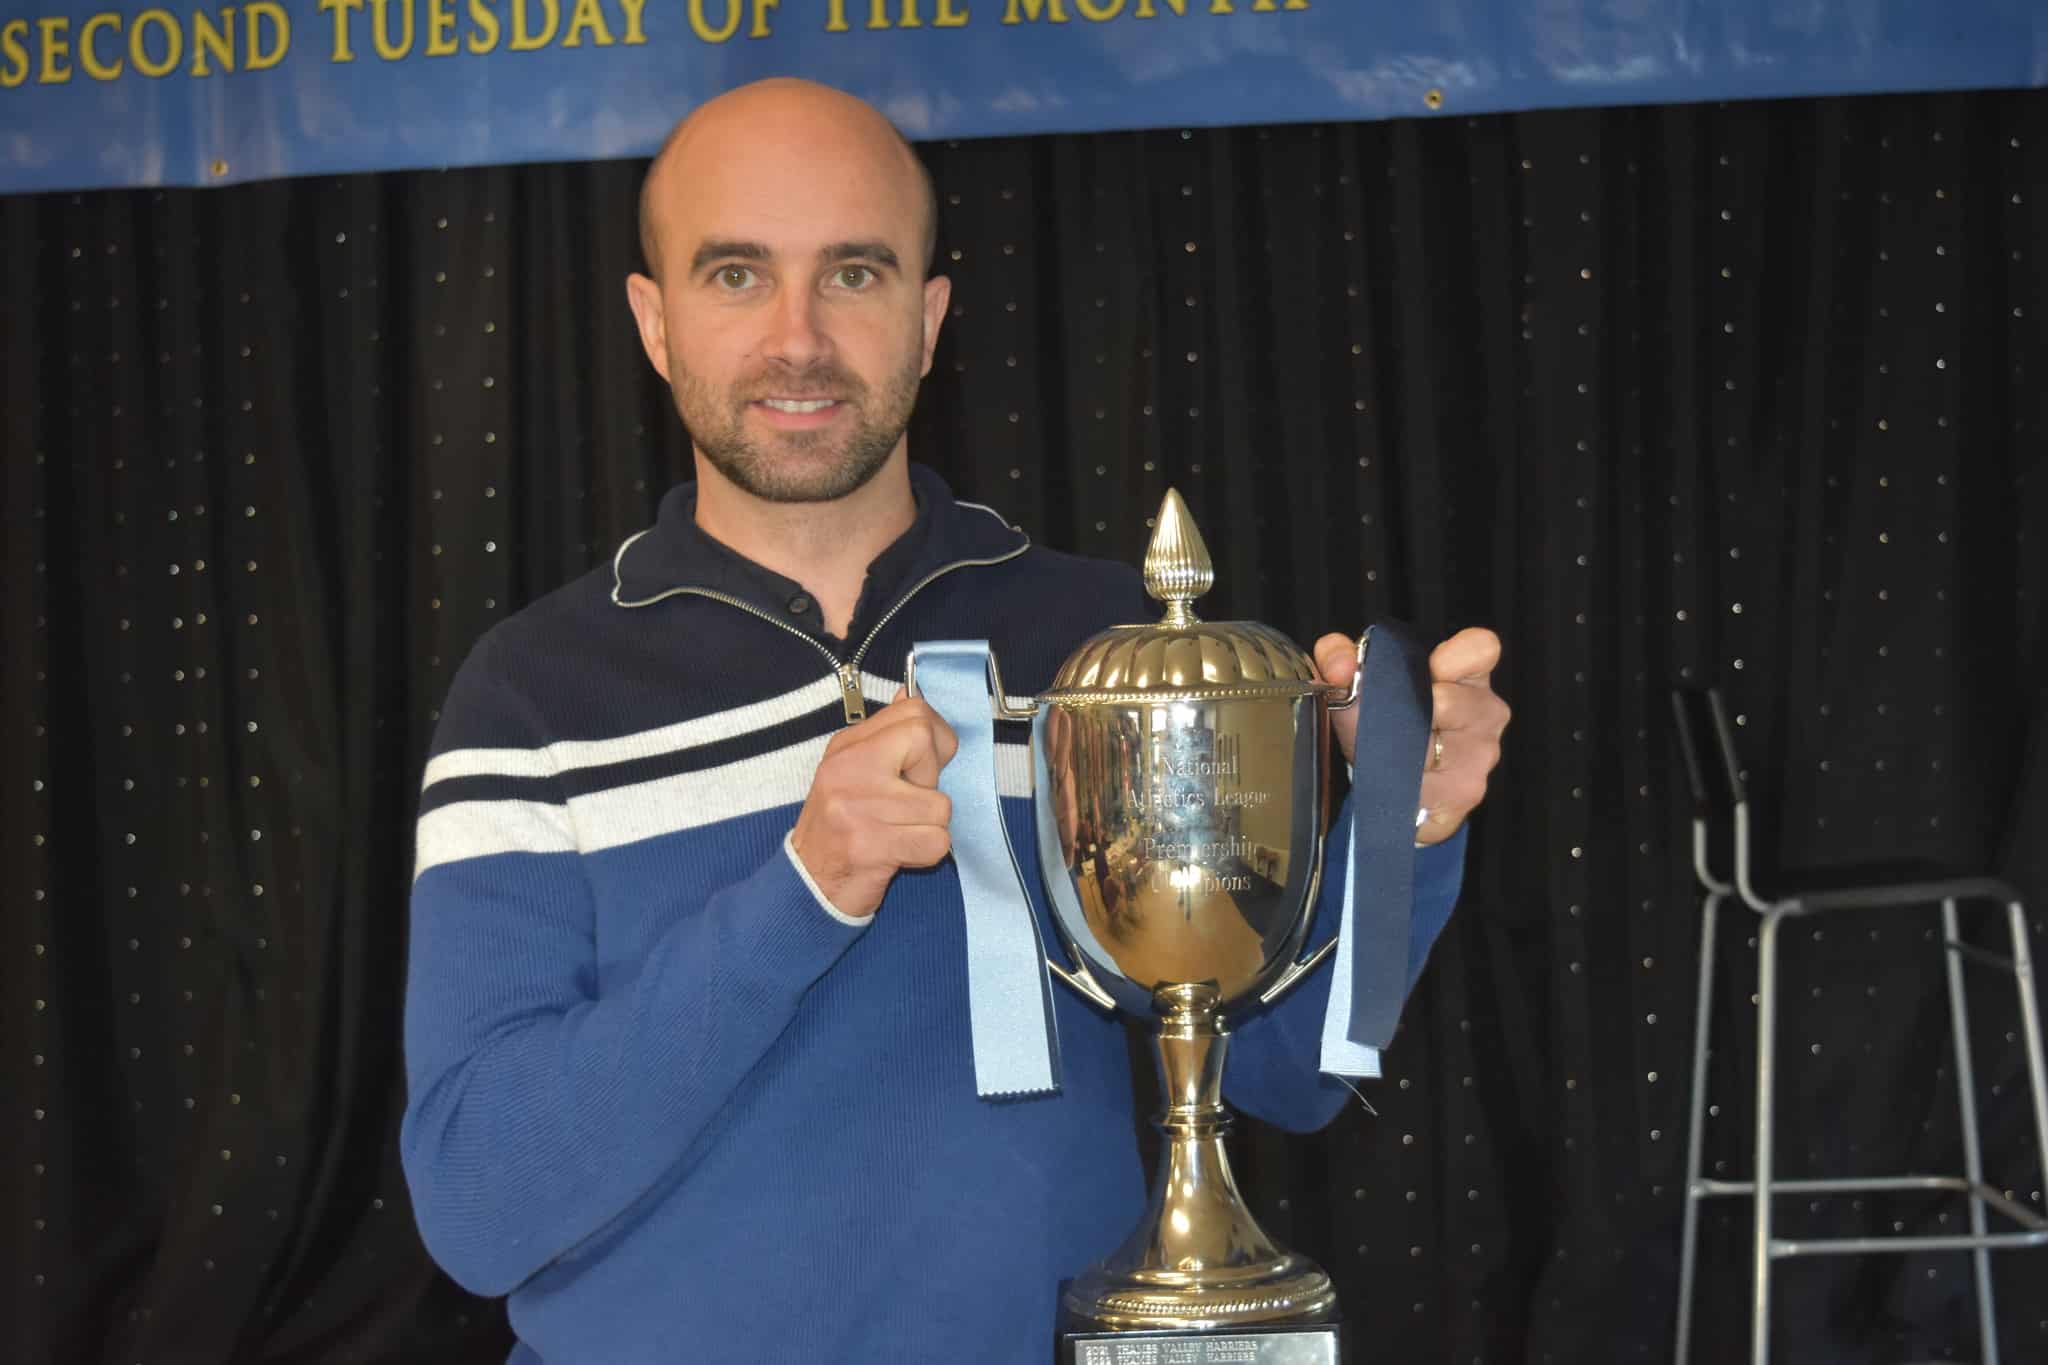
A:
(1748, 394)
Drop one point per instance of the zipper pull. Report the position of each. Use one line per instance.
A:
(849, 693)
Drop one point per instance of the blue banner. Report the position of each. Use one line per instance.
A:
(99, 93)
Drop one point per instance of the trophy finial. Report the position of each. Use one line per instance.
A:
(1177, 567)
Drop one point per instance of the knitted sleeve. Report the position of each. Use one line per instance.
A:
(545, 1096)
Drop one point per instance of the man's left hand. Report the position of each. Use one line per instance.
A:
(1466, 722)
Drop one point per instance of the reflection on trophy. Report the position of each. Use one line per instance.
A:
(1181, 791)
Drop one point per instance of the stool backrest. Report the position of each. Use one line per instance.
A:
(1715, 772)
(1708, 741)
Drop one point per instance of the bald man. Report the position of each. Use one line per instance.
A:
(686, 1023)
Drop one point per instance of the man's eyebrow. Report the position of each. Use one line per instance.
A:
(719, 250)
(879, 252)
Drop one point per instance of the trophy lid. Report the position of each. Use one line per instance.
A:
(1182, 655)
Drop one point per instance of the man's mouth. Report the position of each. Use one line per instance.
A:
(797, 405)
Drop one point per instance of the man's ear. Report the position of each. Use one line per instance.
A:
(938, 291)
(643, 296)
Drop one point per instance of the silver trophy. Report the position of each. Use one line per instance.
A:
(1182, 791)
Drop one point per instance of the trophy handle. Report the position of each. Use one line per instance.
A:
(1297, 970)
(999, 697)
(1083, 981)
(1350, 697)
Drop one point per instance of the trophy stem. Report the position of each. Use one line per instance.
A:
(1197, 1259)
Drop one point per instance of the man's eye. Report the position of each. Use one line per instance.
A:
(853, 277)
(735, 276)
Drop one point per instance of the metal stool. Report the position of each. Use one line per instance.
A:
(1703, 728)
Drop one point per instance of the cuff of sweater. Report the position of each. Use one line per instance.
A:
(789, 852)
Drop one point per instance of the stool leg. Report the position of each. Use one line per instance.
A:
(1689, 1243)
(1973, 1155)
(2030, 1025)
(1766, 1051)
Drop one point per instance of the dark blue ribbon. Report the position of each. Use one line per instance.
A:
(1370, 982)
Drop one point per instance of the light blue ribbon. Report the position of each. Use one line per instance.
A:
(1341, 1056)
(1009, 989)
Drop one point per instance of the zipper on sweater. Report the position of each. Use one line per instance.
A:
(849, 691)
(847, 671)
(917, 587)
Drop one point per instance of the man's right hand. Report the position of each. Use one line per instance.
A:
(875, 805)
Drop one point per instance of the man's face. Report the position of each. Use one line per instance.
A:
(794, 319)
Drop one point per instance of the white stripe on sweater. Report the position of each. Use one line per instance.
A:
(567, 755)
(645, 810)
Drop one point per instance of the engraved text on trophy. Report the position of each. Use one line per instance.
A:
(1183, 837)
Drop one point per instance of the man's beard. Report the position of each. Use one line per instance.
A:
(799, 466)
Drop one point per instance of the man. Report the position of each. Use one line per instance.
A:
(686, 1023)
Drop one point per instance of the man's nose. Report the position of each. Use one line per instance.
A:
(796, 335)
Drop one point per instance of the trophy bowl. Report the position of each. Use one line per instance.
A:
(1181, 793)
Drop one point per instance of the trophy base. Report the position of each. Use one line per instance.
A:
(1292, 1344)
(1142, 1293)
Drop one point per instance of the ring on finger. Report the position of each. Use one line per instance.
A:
(1436, 750)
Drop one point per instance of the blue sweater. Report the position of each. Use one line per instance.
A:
(664, 1097)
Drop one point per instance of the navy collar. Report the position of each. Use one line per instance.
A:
(675, 555)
